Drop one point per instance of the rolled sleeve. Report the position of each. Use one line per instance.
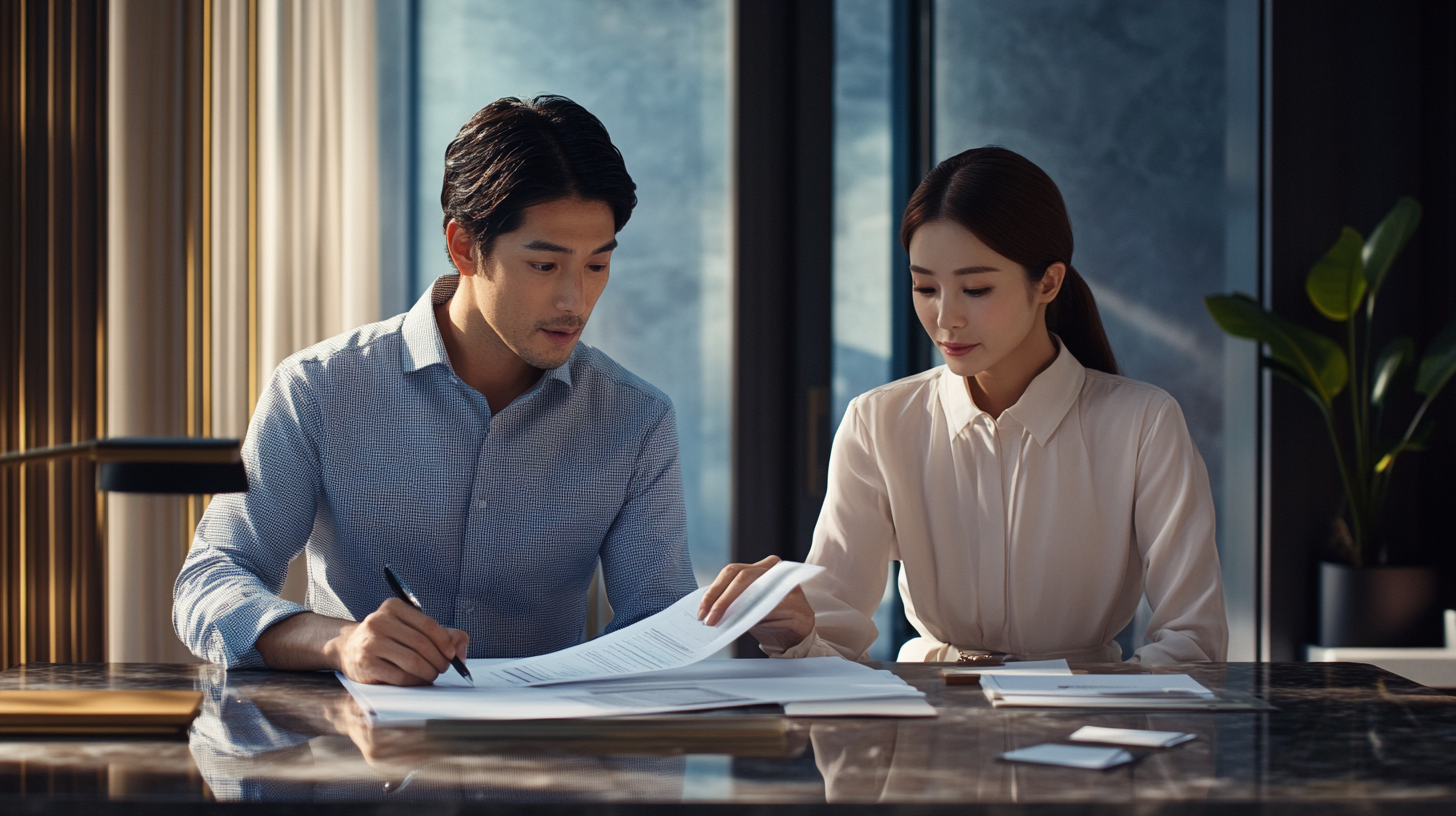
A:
(227, 592)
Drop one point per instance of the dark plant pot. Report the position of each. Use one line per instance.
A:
(1376, 606)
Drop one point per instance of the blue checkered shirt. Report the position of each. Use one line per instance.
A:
(367, 450)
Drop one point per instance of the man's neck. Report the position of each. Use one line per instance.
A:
(479, 357)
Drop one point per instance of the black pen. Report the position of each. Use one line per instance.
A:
(409, 597)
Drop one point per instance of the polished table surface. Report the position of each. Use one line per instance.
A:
(1345, 738)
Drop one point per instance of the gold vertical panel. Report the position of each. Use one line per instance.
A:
(252, 206)
(205, 296)
(50, 545)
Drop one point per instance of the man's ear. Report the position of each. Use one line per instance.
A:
(1051, 283)
(464, 251)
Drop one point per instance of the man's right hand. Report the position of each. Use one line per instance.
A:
(395, 645)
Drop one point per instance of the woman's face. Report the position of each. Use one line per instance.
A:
(976, 305)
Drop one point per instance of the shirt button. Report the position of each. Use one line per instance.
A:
(480, 502)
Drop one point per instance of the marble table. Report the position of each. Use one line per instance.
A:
(1345, 738)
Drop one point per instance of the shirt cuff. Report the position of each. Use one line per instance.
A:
(232, 643)
(811, 646)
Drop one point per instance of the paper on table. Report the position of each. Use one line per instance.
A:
(1097, 685)
(1070, 756)
(876, 707)
(704, 685)
(1097, 691)
(673, 637)
(1130, 736)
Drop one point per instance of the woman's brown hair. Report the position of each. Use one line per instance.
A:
(1015, 208)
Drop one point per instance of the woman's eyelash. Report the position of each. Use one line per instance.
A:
(977, 292)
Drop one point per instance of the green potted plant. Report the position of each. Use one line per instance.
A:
(1352, 388)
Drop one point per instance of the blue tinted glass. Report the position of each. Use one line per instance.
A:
(864, 226)
(655, 73)
(1123, 104)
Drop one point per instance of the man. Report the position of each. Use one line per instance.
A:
(472, 444)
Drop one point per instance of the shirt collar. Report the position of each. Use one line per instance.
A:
(1041, 408)
(424, 347)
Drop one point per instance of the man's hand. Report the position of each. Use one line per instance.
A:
(783, 628)
(396, 645)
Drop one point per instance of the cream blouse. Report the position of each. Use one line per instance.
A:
(1034, 534)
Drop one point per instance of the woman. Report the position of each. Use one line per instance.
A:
(1031, 494)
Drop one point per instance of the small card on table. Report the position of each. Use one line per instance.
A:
(1070, 756)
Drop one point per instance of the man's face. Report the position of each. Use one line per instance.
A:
(540, 282)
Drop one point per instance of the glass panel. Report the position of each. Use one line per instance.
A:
(656, 73)
(1123, 104)
(864, 225)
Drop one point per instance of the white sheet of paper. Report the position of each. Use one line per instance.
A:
(1152, 686)
(673, 637)
(876, 707)
(703, 685)
(1130, 736)
(1070, 756)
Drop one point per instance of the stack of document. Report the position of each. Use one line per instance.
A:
(1142, 691)
(656, 665)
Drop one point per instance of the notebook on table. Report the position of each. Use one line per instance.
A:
(107, 711)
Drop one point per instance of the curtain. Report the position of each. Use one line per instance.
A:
(243, 186)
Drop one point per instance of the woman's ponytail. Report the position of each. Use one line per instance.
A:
(1015, 208)
(1073, 317)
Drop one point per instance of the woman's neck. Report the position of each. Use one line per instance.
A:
(1000, 386)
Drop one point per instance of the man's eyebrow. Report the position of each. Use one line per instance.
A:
(542, 245)
(966, 270)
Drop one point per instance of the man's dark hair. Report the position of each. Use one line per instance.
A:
(514, 154)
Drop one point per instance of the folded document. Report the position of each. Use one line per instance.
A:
(1097, 691)
(672, 638)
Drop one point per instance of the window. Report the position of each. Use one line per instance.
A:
(1126, 107)
(656, 74)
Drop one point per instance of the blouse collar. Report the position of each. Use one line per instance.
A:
(1041, 408)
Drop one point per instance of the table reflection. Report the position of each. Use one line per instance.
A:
(908, 761)
(259, 739)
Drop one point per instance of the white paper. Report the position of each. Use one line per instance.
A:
(876, 707)
(703, 685)
(1130, 736)
(672, 638)
(1070, 756)
(1141, 686)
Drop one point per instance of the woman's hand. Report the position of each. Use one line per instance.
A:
(783, 628)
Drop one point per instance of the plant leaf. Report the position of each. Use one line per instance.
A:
(1417, 443)
(1336, 282)
(1315, 361)
(1388, 238)
(1293, 377)
(1392, 359)
(1439, 363)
